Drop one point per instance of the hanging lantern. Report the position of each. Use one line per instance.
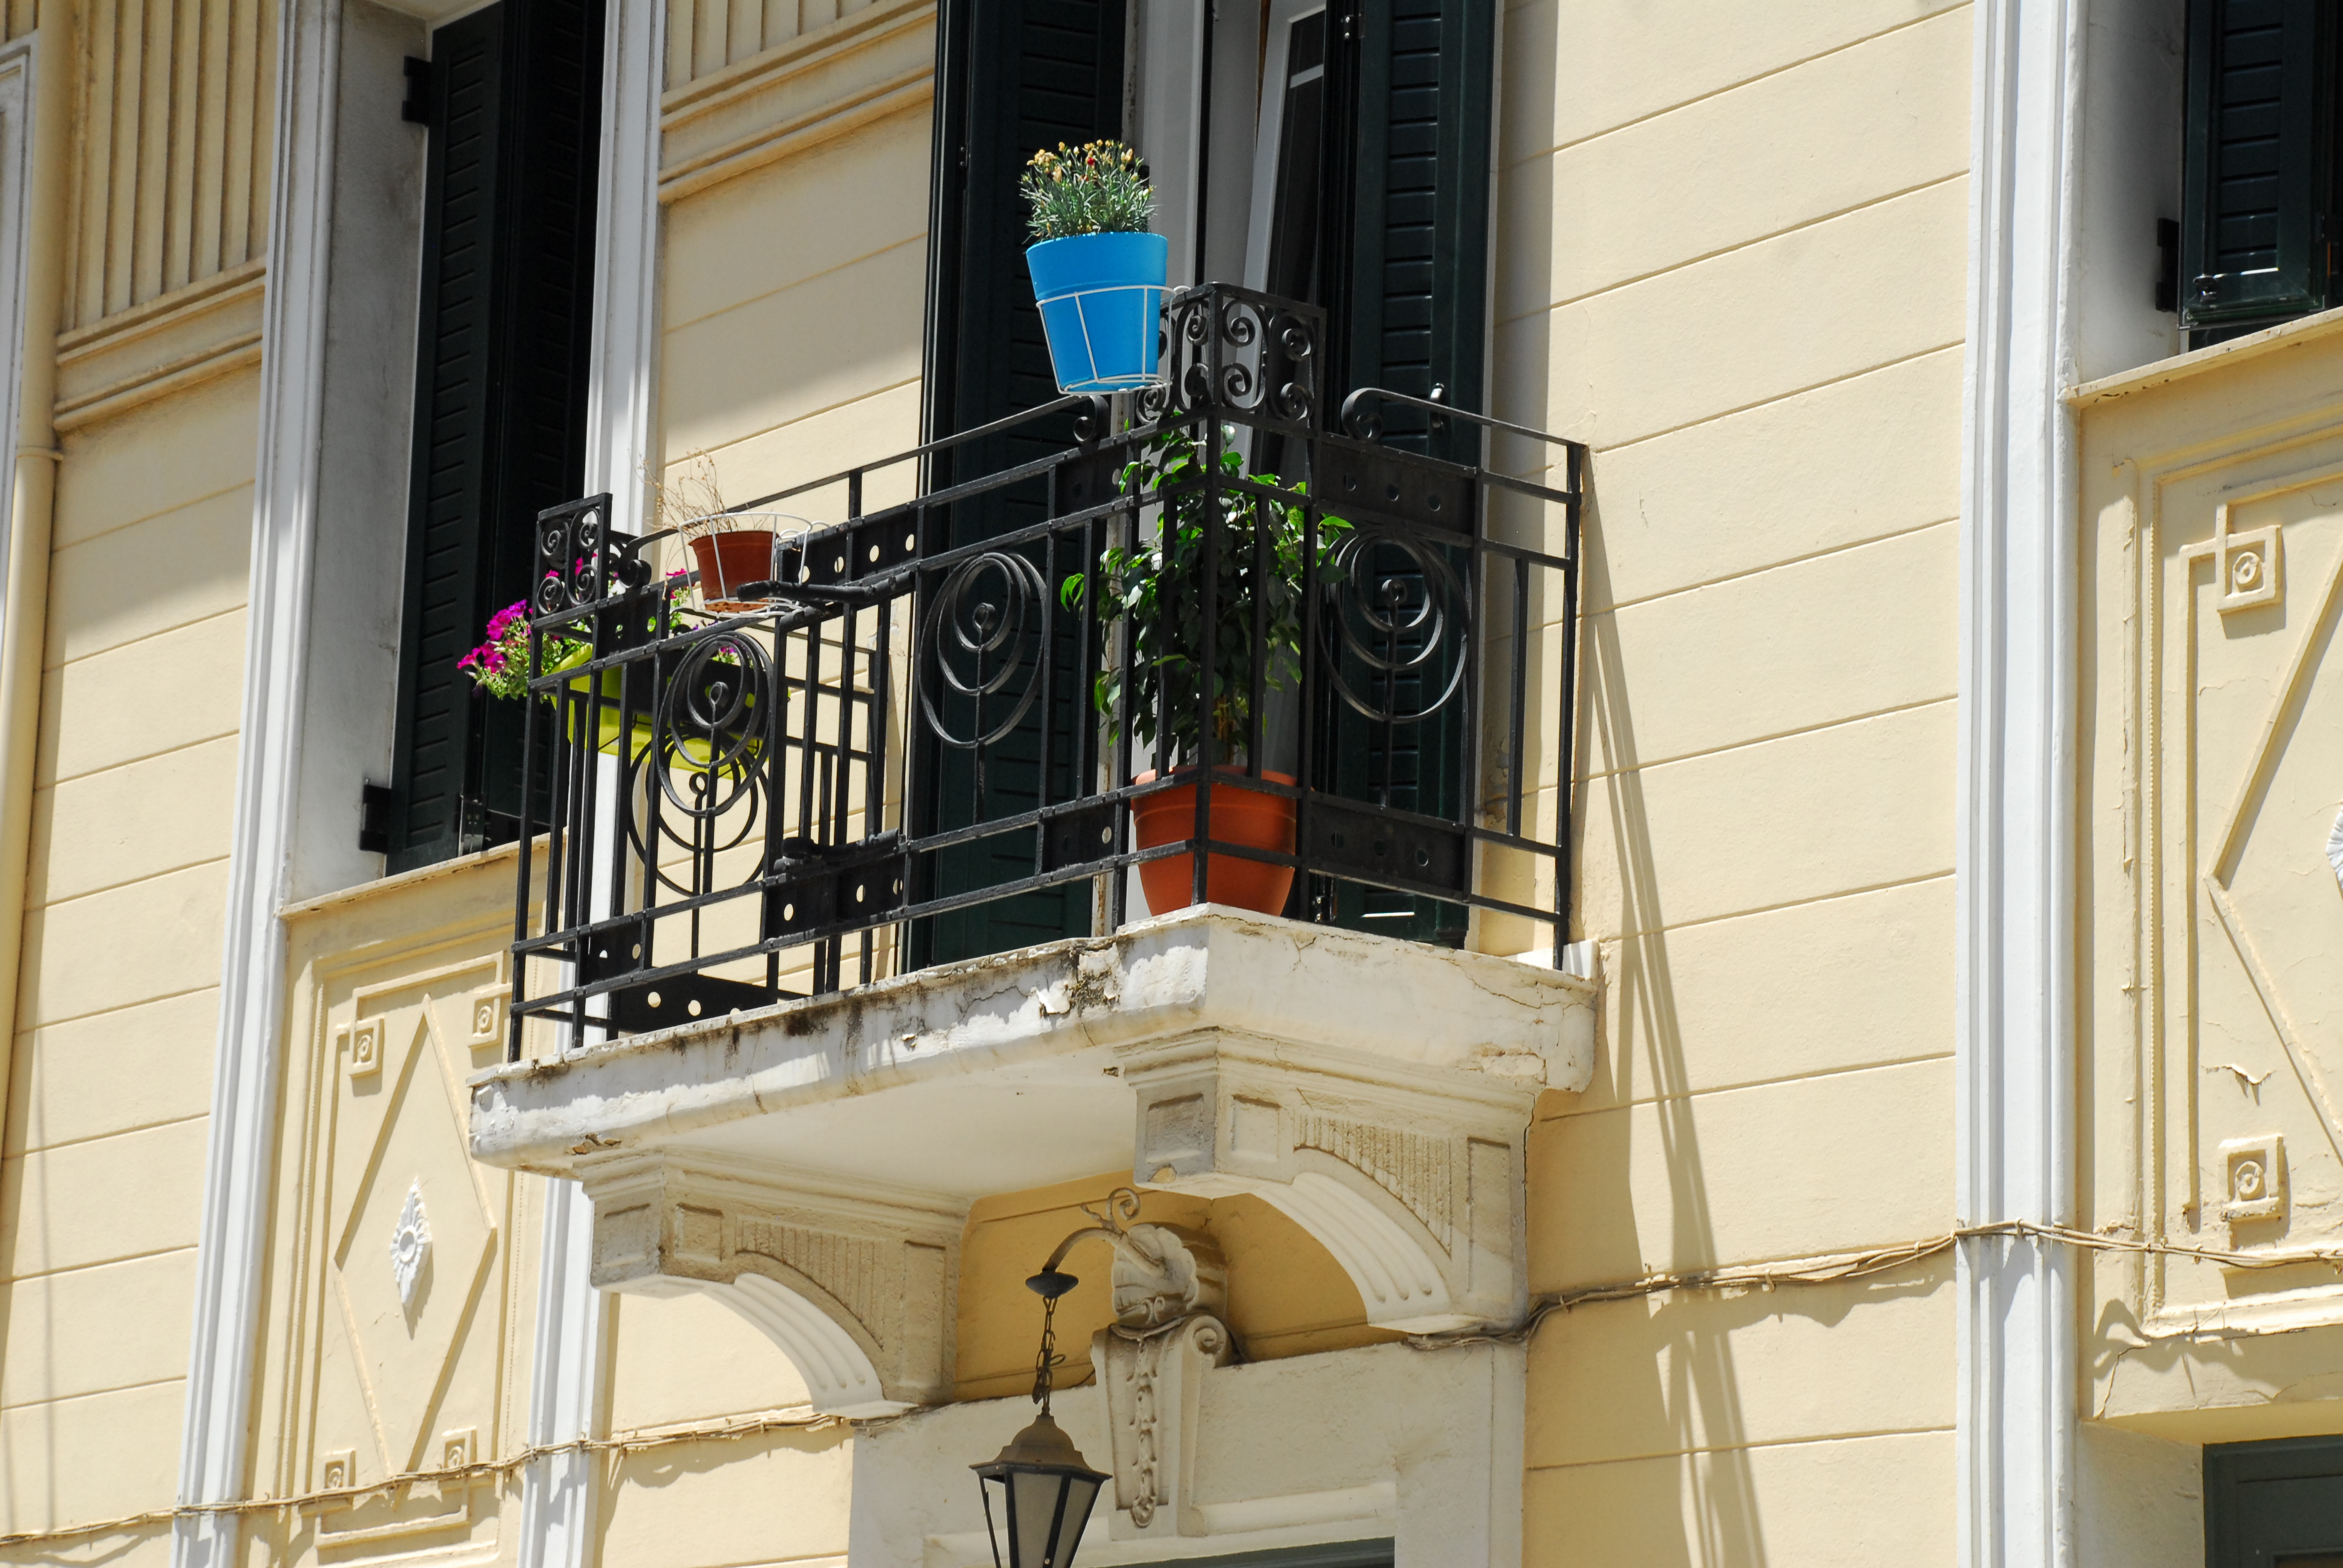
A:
(1039, 1490)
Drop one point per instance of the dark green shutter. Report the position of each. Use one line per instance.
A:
(1013, 76)
(2257, 206)
(1410, 314)
(2272, 1504)
(1414, 314)
(500, 387)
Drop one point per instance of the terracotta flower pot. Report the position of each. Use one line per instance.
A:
(729, 560)
(1253, 818)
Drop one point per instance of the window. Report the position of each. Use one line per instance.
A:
(2259, 205)
(514, 108)
(1361, 185)
(2275, 1504)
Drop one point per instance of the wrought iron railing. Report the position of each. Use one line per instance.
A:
(933, 707)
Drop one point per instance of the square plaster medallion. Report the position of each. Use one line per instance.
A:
(2253, 1177)
(365, 1047)
(410, 1244)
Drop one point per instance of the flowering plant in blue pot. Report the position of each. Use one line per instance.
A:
(1098, 273)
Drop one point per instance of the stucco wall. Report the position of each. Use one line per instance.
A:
(115, 1029)
(1731, 258)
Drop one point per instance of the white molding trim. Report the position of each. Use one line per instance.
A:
(2014, 987)
(17, 63)
(239, 1157)
(558, 1523)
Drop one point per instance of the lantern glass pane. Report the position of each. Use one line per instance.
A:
(1032, 1510)
(1080, 1494)
(994, 1489)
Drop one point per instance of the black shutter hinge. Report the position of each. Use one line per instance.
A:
(374, 819)
(415, 109)
(2168, 270)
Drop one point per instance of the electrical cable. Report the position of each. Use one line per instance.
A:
(1820, 1268)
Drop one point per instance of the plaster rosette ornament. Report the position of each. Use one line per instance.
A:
(2335, 848)
(411, 1245)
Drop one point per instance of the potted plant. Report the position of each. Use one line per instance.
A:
(1098, 273)
(1155, 586)
(722, 701)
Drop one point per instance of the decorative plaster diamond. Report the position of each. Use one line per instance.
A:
(410, 1244)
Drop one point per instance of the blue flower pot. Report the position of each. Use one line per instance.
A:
(1100, 295)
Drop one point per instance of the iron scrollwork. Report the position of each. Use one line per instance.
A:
(976, 646)
(1397, 620)
(1236, 352)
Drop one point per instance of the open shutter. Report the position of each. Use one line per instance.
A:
(1414, 316)
(499, 421)
(1013, 76)
(446, 575)
(1409, 314)
(2257, 208)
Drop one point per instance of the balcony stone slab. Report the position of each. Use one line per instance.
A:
(1375, 1090)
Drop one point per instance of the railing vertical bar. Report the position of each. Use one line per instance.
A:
(1516, 764)
(1118, 718)
(1266, 515)
(1567, 769)
(1207, 656)
(875, 714)
(1305, 771)
(520, 888)
(1045, 673)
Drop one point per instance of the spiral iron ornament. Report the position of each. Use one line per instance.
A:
(710, 724)
(978, 642)
(1395, 621)
(569, 562)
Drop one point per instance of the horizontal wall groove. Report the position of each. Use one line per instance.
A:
(153, 876)
(1729, 87)
(125, 1131)
(1772, 737)
(29, 1026)
(97, 1263)
(1777, 564)
(1859, 1436)
(1686, 263)
(1922, 879)
(1774, 399)
(1684, 1096)
(148, 636)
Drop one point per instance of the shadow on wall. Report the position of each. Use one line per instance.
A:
(1693, 1385)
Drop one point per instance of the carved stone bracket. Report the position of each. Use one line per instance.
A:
(1153, 1382)
(1410, 1176)
(857, 1290)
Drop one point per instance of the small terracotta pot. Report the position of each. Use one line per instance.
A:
(729, 560)
(1253, 818)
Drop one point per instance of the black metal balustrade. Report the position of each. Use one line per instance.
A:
(737, 807)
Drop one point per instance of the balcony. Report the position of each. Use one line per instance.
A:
(780, 827)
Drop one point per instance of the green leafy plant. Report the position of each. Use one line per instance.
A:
(1096, 188)
(1157, 586)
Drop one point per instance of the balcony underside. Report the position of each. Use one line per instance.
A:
(1373, 1089)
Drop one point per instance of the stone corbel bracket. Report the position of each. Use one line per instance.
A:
(1410, 1175)
(858, 1291)
(1154, 1382)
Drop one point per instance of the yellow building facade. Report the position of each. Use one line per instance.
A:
(1916, 1146)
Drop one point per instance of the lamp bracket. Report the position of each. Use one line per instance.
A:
(1161, 1273)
